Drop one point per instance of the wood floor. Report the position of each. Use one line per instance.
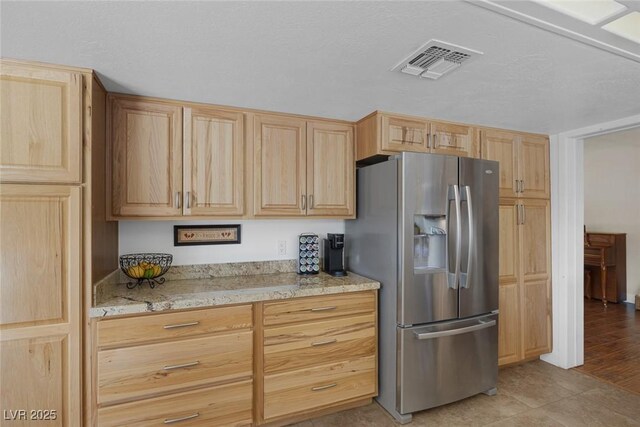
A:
(612, 343)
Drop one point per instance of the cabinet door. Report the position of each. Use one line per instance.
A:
(509, 332)
(509, 325)
(401, 134)
(40, 354)
(452, 139)
(501, 147)
(533, 166)
(535, 239)
(279, 166)
(213, 162)
(146, 140)
(330, 169)
(41, 130)
(535, 261)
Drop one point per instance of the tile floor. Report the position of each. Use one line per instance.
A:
(531, 394)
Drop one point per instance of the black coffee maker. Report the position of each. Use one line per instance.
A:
(333, 253)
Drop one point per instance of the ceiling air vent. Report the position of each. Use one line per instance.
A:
(435, 59)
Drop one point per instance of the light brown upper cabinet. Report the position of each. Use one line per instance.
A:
(280, 168)
(146, 157)
(385, 134)
(303, 168)
(403, 134)
(41, 130)
(330, 169)
(161, 168)
(213, 162)
(524, 162)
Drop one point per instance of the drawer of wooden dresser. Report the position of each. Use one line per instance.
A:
(317, 343)
(130, 330)
(601, 239)
(312, 388)
(225, 405)
(145, 370)
(320, 307)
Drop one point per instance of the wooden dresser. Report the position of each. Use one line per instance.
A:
(605, 263)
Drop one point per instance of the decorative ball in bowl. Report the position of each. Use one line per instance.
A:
(147, 267)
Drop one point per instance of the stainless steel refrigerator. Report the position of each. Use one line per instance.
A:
(427, 229)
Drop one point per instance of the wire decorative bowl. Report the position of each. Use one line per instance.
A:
(147, 267)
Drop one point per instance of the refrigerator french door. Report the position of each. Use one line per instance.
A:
(427, 229)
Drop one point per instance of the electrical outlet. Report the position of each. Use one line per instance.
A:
(282, 247)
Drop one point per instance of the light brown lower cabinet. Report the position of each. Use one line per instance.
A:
(525, 280)
(250, 364)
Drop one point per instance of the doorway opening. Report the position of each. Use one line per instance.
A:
(611, 254)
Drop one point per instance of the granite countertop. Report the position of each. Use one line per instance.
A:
(115, 299)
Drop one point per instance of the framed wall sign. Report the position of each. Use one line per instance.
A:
(191, 235)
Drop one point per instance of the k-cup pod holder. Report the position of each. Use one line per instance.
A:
(308, 253)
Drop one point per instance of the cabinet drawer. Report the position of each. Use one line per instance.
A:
(307, 389)
(227, 405)
(127, 331)
(314, 308)
(317, 343)
(134, 372)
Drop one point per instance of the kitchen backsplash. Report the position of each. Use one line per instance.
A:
(261, 240)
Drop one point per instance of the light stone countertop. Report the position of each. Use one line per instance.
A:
(115, 299)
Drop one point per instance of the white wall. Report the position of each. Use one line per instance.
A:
(612, 193)
(259, 239)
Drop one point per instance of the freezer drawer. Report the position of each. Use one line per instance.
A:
(445, 362)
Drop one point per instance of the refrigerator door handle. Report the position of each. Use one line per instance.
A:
(465, 276)
(480, 325)
(453, 278)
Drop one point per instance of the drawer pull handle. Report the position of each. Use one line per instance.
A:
(333, 307)
(183, 365)
(314, 344)
(177, 420)
(323, 387)
(181, 325)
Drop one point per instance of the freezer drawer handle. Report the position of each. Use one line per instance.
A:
(479, 326)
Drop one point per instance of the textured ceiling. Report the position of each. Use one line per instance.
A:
(330, 58)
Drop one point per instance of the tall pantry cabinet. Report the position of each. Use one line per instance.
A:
(54, 241)
(525, 242)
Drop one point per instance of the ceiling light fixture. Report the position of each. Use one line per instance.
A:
(627, 26)
(590, 11)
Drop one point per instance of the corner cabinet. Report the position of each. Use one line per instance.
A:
(173, 161)
(303, 168)
(525, 280)
(385, 134)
